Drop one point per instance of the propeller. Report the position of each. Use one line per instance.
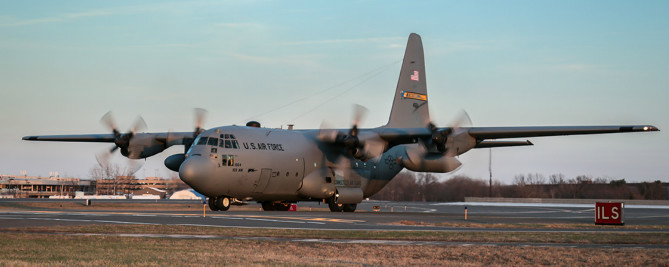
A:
(437, 154)
(360, 145)
(200, 115)
(440, 138)
(122, 141)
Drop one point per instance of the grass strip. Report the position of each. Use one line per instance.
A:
(22, 249)
(450, 236)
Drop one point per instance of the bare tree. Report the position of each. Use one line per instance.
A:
(110, 172)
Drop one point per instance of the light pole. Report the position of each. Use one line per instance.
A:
(490, 170)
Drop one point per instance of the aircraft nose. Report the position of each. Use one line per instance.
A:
(193, 171)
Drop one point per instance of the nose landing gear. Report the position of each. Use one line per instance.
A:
(221, 203)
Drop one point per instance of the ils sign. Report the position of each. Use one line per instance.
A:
(609, 213)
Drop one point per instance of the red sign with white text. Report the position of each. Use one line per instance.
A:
(609, 213)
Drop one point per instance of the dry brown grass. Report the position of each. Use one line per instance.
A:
(449, 236)
(579, 226)
(53, 250)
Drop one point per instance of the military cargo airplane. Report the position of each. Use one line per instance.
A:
(277, 167)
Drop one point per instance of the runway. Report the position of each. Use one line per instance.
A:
(396, 216)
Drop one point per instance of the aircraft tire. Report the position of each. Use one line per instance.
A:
(212, 204)
(222, 203)
(349, 207)
(334, 207)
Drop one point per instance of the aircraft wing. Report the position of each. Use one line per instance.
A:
(172, 137)
(102, 138)
(481, 133)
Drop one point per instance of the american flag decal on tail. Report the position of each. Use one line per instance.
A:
(414, 76)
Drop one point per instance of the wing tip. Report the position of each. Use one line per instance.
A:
(642, 128)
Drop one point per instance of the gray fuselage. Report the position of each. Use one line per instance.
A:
(265, 164)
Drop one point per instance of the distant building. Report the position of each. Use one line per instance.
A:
(123, 185)
(43, 187)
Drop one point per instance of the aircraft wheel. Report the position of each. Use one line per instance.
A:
(334, 207)
(267, 206)
(223, 203)
(212, 204)
(349, 207)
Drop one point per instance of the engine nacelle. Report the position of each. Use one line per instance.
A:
(174, 162)
(143, 145)
(316, 186)
(417, 160)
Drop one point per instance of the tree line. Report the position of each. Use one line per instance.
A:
(408, 186)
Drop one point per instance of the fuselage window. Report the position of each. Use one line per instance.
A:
(213, 141)
(225, 159)
(231, 160)
(202, 141)
(228, 144)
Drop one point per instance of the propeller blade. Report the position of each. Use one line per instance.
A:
(103, 156)
(140, 125)
(135, 165)
(327, 134)
(462, 120)
(108, 121)
(359, 113)
(200, 115)
(374, 148)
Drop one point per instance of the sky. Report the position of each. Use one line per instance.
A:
(63, 65)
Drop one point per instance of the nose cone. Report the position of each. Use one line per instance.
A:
(194, 172)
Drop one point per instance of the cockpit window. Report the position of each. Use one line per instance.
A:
(213, 141)
(202, 141)
(228, 141)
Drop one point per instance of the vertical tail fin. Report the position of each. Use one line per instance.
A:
(410, 108)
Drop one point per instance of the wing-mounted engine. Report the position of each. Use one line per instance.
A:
(361, 145)
(437, 154)
(132, 145)
(419, 160)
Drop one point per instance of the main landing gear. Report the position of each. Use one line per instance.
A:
(335, 207)
(221, 203)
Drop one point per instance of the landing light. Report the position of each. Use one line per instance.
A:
(645, 128)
